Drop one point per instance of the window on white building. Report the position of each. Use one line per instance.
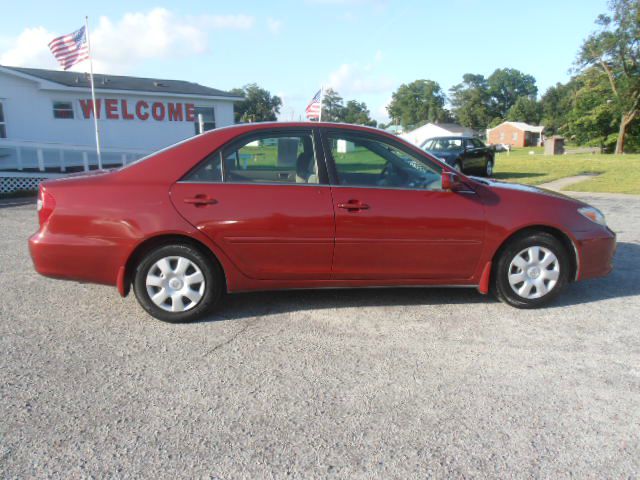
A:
(206, 116)
(62, 110)
(3, 125)
(515, 136)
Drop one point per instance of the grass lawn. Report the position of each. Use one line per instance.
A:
(618, 173)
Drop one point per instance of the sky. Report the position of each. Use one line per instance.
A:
(363, 49)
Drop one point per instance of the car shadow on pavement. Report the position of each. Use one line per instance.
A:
(624, 281)
(17, 202)
(256, 304)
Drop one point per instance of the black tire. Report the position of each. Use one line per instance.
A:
(213, 287)
(488, 168)
(501, 286)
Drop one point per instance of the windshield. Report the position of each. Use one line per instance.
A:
(443, 144)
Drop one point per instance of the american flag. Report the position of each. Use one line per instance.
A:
(313, 109)
(70, 49)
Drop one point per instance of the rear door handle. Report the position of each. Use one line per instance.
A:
(200, 200)
(353, 205)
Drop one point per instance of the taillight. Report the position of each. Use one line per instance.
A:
(45, 205)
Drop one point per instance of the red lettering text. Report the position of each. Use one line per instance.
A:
(142, 115)
(125, 111)
(190, 111)
(175, 112)
(157, 110)
(87, 108)
(111, 107)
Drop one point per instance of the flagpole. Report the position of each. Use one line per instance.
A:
(321, 94)
(93, 94)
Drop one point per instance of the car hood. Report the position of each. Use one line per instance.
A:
(494, 185)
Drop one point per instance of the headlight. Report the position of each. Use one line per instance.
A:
(593, 214)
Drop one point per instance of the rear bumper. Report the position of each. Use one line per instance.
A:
(596, 252)
(73, 258)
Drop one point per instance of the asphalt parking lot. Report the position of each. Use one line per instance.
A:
(386, 383)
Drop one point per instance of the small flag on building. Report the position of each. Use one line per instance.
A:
(70, 49)
(313, 109)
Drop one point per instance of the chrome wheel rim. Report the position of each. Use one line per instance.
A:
(175, 284)
(489, 169)
(534, 272)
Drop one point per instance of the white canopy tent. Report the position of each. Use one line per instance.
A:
(431, 130)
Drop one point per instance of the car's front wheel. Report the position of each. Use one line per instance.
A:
(531, 270)
(177, 283)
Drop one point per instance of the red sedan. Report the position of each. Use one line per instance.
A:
(301, 205)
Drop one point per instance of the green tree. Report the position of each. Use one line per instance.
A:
(332, 106)
(590, 120)
(615, 51)
(526, 109)
(357, 113)
(506, 85)
(470, 101)
(556, 104)
(417, 103)
(258, 104)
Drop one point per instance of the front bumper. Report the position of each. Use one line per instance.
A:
(596, 251)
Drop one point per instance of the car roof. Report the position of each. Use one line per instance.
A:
(275, 124)
(242, 128)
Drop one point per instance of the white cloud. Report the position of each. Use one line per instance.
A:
(357, 78)
(236, 22)
(29, 49)
(119, 45)
(381, 114)
(274, 25)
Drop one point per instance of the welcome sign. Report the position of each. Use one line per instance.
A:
(114, 109)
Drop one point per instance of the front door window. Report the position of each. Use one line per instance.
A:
(367, 162)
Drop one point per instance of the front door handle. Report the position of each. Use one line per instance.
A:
(200, 200)
(353, 205)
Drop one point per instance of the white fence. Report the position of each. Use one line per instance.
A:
(23, 165)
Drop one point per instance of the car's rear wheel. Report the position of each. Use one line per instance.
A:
(458, 165)
(531, 270)
(177, 283)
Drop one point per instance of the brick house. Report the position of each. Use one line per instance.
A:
(516, 134)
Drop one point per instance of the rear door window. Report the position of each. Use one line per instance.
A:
(271, 158)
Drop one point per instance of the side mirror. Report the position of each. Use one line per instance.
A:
(451, 181)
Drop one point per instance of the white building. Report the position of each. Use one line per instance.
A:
(432, 130)
(47, 125)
